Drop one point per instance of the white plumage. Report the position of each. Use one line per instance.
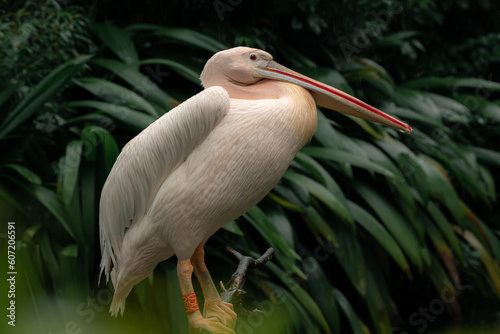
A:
(202, 165)
(192, 171)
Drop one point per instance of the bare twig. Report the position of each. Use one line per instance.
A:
(234, 288)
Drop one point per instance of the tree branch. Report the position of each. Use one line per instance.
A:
(234, 289)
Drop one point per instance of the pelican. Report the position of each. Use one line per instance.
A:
(205, 163)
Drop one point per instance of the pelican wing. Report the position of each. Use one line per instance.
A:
(147, 160)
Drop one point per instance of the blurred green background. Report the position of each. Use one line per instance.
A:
(375, 231)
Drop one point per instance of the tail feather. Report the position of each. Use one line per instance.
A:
(122, 290)
(118, 303)
(125, 276)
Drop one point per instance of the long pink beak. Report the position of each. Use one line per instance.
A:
(329, 97)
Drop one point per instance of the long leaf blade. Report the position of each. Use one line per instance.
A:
(357, 326)
(116, 94)
(53, 83)
(145, 84)
(395, 223)
(132, 118)
(192, 38)
(117, 41)
(346, 157)
(183, 70)
(369, 223)
(69, 170)
(327, 197)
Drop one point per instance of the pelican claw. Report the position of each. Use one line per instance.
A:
(220, 310)
(211, 325)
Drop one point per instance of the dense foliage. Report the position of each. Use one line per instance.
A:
(374, 230)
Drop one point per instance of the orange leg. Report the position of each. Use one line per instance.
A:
(195, 320)
(214, 306)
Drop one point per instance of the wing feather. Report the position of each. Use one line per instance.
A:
(147, 160)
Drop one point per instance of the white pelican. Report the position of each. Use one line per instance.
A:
(205, 163)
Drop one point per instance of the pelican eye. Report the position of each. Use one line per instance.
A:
(253, 57)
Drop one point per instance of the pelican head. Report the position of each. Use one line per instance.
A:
(241, 67)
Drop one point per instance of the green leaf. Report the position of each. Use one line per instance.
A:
(282, 224)
(452, 110)
(372, 73)
(317, 223)
(326, 134)
(292, 194)
(136, 120)
(139, 81)
(346, 157)
(89, 193)
(489, 111)
(435, 82)
(415, 176)
(487, 183)
(286, 203)
(400, 183)
(233, 228)
(412, 116)
(328, 76)
(409, 166)
(379, 233)
(459, 163)
(350, 256)
(116, 94)
(378, 299)
(418, 101)
(444, 287)
(314, 167)
(380, 73)
(53, 204)
(489, 262)
(329, 137)
(492, 238)
(73, 273)
(318, 283)
(192, 38)
(304, 298)
(31, 232)
(141, 27)
(84, 119)
(49, 259)
(261, 223)
(487, 156)
(69, 168)
(441, 188)
(395, 223)
(357, 326)
(183, 70)
(291, 313)
(53, 83)
(367, 126)
(117, 41)
(14, 201)
(320, 192)
(397, 39)
(442, 249)
(7, 92)
(26, 173)
(70, 251)
(445, 227)
(98, 139)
